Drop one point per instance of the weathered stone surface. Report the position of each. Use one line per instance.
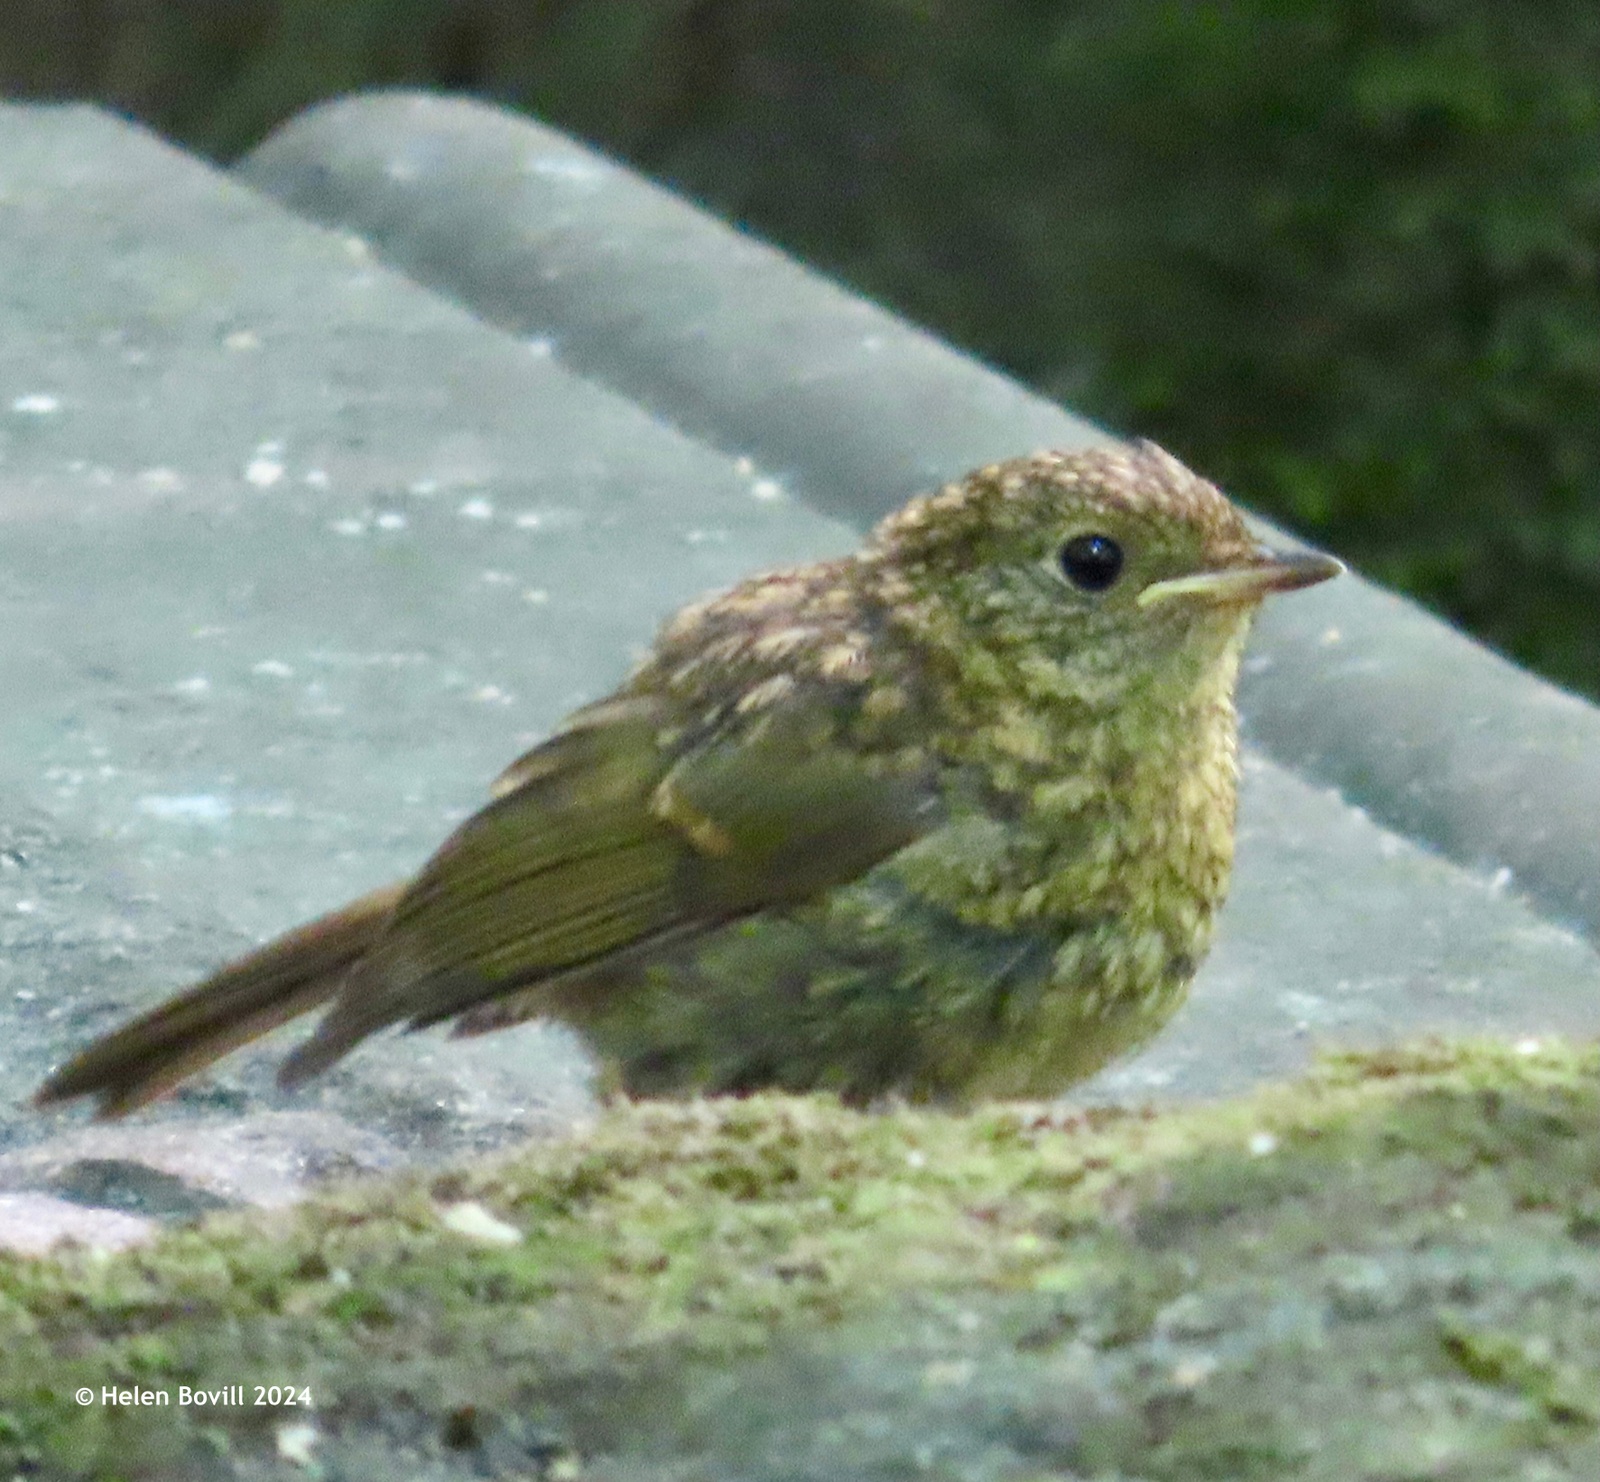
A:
(289, 543)
(298, 553)
(723, 335)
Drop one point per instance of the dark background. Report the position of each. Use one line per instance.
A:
(1344, 257)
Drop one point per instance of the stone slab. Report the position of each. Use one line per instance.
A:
(754, 353)
(298, 552)
(296, 556)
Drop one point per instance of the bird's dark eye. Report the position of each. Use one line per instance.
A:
(1091, 562)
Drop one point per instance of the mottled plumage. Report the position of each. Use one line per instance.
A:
(950, 817)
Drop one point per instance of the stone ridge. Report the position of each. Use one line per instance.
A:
(1351, 686)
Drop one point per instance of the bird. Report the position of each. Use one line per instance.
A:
(946, 819)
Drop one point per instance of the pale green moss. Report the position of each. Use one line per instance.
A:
(1390, 1269)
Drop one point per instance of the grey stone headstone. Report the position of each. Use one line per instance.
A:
(309, 529)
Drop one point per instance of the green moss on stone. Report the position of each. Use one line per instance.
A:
(1388, 1269)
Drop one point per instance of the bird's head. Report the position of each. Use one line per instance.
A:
(1100, 574)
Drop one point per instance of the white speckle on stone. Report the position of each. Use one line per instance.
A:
(391, 519)
(272, 669)
(529, 519)
(423, 488)
(472, 1221)
(1331, 636)
(872, 343)
(31, 1223)
(26, 908)
(497, 578)
(766, 490)
(348, 526)
(566, 168)
(1312, 1008)
(196, 684)
(916, 1158)
(296, 1441)
(36, 404)
(356, 248)
(491, 694)
(476, 509)
(705, 537)
(25, 995)
(198, 807)
(1501, 880)
(161, 480)
(536, 595)
(1529, 1046)
(398, 169)
(1262, 1144)
(241, 341)
(316, 478)
(263, 472)
(541, 347)
(744, 466)
(1191, 1373)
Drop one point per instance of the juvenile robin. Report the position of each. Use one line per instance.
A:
(951, 817)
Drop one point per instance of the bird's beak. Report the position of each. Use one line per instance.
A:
(1265, 572)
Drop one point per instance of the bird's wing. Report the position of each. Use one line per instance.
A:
(614, 836)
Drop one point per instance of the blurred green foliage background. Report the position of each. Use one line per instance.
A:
(1344, 255)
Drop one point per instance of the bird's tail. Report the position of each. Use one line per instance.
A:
(238, 1003)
